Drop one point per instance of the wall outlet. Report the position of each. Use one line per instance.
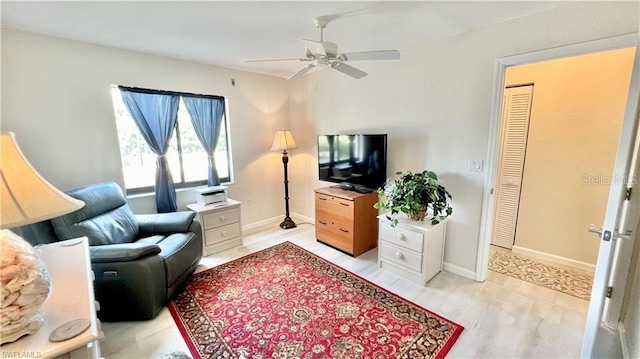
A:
(249, 202)
(474, 165)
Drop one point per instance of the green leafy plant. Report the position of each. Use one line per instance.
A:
(416, 195)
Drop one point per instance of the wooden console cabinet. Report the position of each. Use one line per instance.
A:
(346, 220)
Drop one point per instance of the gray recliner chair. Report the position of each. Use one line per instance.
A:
(139, 261)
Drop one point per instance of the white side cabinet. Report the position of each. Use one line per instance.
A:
(71, 298)
(412, 249)
(221, 225)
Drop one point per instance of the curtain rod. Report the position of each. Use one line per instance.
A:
(172, 93)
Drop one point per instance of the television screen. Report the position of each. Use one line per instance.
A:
(357, 162)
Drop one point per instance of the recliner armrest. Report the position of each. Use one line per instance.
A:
(165, 223)
(124, 252)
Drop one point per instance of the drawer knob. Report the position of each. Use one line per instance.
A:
(222, 218)
(223, 233)
(399, 255)
(400, 236)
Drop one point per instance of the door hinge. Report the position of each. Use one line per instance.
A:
(491, 191)
(628, 195)
(609, 292)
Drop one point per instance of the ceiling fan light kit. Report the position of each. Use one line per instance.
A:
(325, 53)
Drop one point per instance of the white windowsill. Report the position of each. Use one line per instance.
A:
(151, 194)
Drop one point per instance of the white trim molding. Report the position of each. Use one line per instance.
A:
(460, 271)
(500, 67)
(624, 343)
(591, 268)
(274, 222)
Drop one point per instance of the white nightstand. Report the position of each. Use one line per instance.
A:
(221, 225)
(71, 298)
(413, 249)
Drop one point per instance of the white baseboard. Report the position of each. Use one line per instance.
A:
(299, 219)
(623, 341)
(459, 271)
(591, 268)
(261, 225)
(273, 222)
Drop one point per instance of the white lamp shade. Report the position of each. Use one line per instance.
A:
(283, 141)
(25, 196)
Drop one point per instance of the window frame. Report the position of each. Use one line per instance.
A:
(185, 184)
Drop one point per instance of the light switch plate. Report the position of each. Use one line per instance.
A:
(474, 165)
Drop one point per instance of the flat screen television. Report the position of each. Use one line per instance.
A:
(356, 162)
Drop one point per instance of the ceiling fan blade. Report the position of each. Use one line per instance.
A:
(348, 70)
(315, 47)
(302, 71)
(371, 55)
(271, 60)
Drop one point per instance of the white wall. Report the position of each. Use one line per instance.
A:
(56, 98)
(435, 106)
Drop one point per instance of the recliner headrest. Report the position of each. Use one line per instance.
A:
(103, 197)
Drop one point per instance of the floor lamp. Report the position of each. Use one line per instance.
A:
(283, 141)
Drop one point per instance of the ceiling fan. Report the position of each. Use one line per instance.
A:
(322, 52)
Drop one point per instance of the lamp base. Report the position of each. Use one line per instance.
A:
(287, 223)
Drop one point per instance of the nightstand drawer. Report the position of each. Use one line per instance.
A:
(401, 237)
(402, 256)
(220, 234)
(221, 225)
(221, 218)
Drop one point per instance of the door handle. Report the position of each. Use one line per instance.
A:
(616, 235)
(593, 229)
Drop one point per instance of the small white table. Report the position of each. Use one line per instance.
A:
(71, 298)
(221, 225)
(413, 249)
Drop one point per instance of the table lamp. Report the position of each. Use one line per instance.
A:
(283, 141)
(25, 198)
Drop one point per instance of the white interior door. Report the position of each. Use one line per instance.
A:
(616, 214)
(516, 111)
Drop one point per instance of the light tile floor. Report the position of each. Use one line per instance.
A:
(503, 317)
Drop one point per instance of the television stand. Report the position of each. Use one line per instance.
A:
(346, 220)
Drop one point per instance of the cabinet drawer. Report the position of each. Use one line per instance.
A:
(334, 207)
(220, 234)
(221, 218)
(342, 208)
(401, 236)
(334, 236)
(402, 256)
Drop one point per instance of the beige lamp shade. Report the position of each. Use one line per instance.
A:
(283, 141)
(25, 196)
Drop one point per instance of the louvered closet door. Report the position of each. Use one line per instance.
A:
(515, 127)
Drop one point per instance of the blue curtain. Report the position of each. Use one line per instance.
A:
(156, 116)
(206, 115)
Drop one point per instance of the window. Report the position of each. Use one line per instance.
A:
(187, 159)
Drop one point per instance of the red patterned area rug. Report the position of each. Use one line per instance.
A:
(286, 303)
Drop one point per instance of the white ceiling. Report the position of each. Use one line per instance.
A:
(229, 33)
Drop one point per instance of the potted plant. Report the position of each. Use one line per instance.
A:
(416, 195)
